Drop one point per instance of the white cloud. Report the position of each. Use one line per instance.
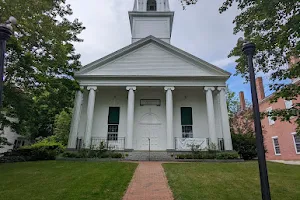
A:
(224, 63)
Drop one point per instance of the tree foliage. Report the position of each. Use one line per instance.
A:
(273, 25)
(62, 126)
(233, 103)
(40, 63)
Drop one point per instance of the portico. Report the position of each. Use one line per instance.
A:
(150, 112)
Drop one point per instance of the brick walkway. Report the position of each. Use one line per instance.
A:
(149, 183)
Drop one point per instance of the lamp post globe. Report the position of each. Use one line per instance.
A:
(249, 50)
(5, 33)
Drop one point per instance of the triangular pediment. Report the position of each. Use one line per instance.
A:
(151, 57)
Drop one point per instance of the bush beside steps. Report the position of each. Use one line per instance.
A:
(209, 155)
(87, 153)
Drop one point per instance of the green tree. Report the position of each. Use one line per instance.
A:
(273, 25)
(40, 63)
(233, 103)
(62, 126)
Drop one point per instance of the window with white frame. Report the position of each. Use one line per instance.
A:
(276, 145)
(296, 142)
(187, 122)
(271, 121)
(113, 123)
(288, 104)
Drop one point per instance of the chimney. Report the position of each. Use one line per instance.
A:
(242, 101)
(260, 88)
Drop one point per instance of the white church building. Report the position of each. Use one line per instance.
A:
(151, 94)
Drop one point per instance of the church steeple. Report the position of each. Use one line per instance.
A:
(151, 17)
(151, 5)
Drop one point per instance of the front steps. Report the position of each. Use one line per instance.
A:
(153, 156)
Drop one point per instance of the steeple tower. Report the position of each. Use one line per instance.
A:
(151, 17)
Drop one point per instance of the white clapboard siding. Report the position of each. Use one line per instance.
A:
(151, 60)
(145, 26)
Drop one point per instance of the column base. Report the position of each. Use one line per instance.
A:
(171, 150)
(128, 150)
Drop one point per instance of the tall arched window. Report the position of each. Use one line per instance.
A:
(151, 5)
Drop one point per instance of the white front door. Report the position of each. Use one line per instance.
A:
(150, 133)
(149, 136)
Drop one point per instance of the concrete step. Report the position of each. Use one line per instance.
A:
(152, 156)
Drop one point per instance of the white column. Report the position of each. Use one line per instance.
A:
(211, 115)
(225, 119)
(130, 117)
(169, 117)
(90, 115)
(75, 119)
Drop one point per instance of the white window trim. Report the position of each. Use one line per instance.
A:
(276, 154)
(270, 120)
(293, 134)
(285, 101)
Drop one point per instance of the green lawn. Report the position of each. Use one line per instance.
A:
(58, 180)
(231, 181)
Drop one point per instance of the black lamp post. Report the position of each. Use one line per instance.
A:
(249, 50)
(5, 33)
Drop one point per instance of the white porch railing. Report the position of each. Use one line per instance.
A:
(185, 144)
(116, 144)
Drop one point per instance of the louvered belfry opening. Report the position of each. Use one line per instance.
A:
(151, 5)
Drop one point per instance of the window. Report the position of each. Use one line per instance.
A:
(187, 122)
(271, 121)
(288, 104)
(18, 143)
(113, 123)
(151, 5)
(276, 145)
(221, 144)
(78, 143)
(296, 142)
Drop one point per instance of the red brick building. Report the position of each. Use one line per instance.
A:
(280, 138)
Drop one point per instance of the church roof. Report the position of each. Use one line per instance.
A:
(86, 70)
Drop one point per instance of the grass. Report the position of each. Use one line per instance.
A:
(65, 180)
(231, 181)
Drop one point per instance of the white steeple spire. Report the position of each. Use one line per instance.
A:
(151, 17)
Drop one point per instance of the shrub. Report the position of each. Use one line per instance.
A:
(227, 155)
(209, 155)
(87, 153)
(70, 155)
(46, 149)
(116, 155)
(245, 145)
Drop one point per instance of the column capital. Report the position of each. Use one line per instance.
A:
(221, 88)
(131, 88)
(92, 88)
(169, 88)
(209, 88)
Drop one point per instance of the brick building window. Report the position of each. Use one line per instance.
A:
(271, 121)
(276, 145)
(296, 142)
(288, 104)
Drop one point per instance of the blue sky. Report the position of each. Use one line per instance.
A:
(200, 30)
